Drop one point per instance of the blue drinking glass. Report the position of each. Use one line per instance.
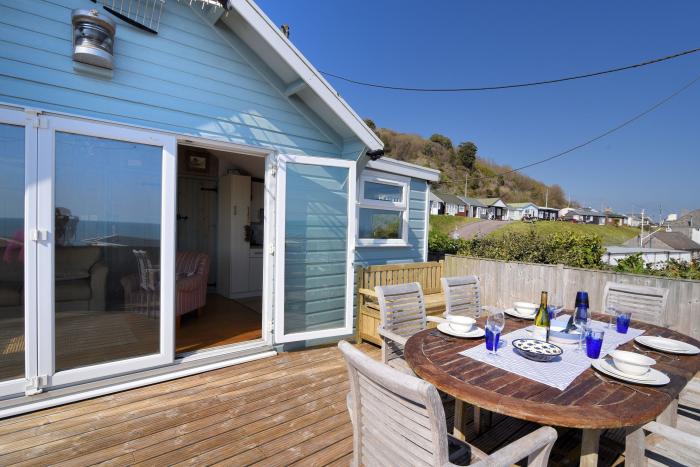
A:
(581, 299)
(492, 339)
(594, 342)
(623, 321)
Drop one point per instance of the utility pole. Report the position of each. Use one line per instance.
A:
(546, 198)
(641, 232)
(466, 183)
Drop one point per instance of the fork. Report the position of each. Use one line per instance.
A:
(612, 381)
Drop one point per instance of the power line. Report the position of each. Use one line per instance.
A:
(600, 136)
(511, 86)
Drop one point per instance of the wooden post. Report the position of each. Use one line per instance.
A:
(460, 424)
(670, 415)
(634, 446)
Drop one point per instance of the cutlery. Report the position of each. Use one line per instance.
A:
(612, 381)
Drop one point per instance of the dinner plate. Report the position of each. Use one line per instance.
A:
(652, 378)
(516, 314)
(667, 345)
(473, 334)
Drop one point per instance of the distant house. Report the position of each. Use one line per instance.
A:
(437, 205)
(635, 220)
(688, 224)
(451, 205)
(614, 218)
(667, 240)
(475, 208)
(582, 216)
(657, 257)
(516, 211)
(547, 213)
(495, 208)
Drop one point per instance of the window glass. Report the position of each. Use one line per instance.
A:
(383, 192)
(380, 224)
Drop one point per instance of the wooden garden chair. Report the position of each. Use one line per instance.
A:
(401, 314)
(462, 296)
(398, 420)
(647, 303)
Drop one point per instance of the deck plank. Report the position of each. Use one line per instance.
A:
(285, 410)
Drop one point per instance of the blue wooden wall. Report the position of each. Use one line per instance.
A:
(365, 256)
(187, 79)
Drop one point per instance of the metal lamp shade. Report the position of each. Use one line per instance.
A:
(93, 38)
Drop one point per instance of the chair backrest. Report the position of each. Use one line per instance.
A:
(147, 278)
(189, 263)
(397, 419)
(647, 304)
(401, 311)
(427, 274)
(462, 295)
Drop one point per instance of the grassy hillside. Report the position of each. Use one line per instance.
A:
(610, 234)
(448, 224)
(438, 152)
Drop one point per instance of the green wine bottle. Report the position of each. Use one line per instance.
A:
(541, 331)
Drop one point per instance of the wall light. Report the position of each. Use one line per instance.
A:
(93, 38)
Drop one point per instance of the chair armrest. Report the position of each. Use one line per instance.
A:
(536, 447)
(368, 293)
(392, 336)
(189, 284)
(674, 435)
(435, 319)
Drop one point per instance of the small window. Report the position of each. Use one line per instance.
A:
(383, 210)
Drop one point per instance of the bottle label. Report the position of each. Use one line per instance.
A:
(539, 333)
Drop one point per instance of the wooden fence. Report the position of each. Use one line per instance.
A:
(503, 282)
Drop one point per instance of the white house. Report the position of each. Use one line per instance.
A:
(451, 205)
(496, 208)
(657, 257)
(516, 211)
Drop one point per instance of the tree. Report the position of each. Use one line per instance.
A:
(370, 123)
(442, 140)
(466, 152)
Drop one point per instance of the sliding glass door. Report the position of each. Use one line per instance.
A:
(106, 273)
(314, 248)
(18, 362)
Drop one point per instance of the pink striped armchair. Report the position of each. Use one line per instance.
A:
(142, 294)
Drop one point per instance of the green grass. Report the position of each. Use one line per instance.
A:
(610, 234)
(448, 224)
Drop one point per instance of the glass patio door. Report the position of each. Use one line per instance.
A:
(315, 248)
(106, 250)
(18, 357)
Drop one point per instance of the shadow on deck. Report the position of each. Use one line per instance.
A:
(285, 410)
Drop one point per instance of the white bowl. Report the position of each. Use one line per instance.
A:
(526, 308)
(631, 363)
(461, 323)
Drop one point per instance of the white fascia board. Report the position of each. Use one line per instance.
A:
(389, 165)
(267, 30)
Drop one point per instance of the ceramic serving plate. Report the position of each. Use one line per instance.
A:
(473, 334)
(537, 350)
(651, 378)
(516, 314)
(667, 345)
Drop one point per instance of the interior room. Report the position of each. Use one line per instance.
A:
(219, 261)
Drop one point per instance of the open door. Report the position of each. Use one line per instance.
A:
(315, 248)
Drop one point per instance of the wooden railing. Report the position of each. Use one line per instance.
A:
(503, 282)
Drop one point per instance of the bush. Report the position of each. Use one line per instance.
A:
(673, 268)
(570, 249)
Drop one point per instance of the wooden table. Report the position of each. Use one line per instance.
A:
(589, 403)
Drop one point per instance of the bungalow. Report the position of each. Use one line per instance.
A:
(582, 215)
(475, 208)
(452, 205)
(613, 218)
(437, 204)
(667, 240)
(181, 192)
(518, 211)
(547, 213)
(496, 209)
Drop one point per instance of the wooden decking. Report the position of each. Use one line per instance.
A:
(285, 410)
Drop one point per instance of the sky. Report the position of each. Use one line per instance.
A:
(653, 163)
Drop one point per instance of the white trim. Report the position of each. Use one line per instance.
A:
(426, 230)
(46, 256)
(53, 402)
(387, 164)
(270, 33)
(372, 204)
(280, 335)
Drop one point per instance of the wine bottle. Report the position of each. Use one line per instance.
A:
(541, 331)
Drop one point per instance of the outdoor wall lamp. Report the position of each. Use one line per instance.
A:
(93, 38)
(376, 154)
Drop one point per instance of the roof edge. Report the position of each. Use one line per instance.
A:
(387, 164)
(267, 30)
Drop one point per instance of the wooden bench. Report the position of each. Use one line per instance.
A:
(427, 274)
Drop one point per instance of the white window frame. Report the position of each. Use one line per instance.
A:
(400, 206)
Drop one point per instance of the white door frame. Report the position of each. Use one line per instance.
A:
(27, 121)
(45, 256)
(280, 219)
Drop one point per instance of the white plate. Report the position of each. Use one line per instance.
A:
(668, 345)
(516, 314)
(652, 378)
(473, 334)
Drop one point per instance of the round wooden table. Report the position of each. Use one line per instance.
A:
(589, 402)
